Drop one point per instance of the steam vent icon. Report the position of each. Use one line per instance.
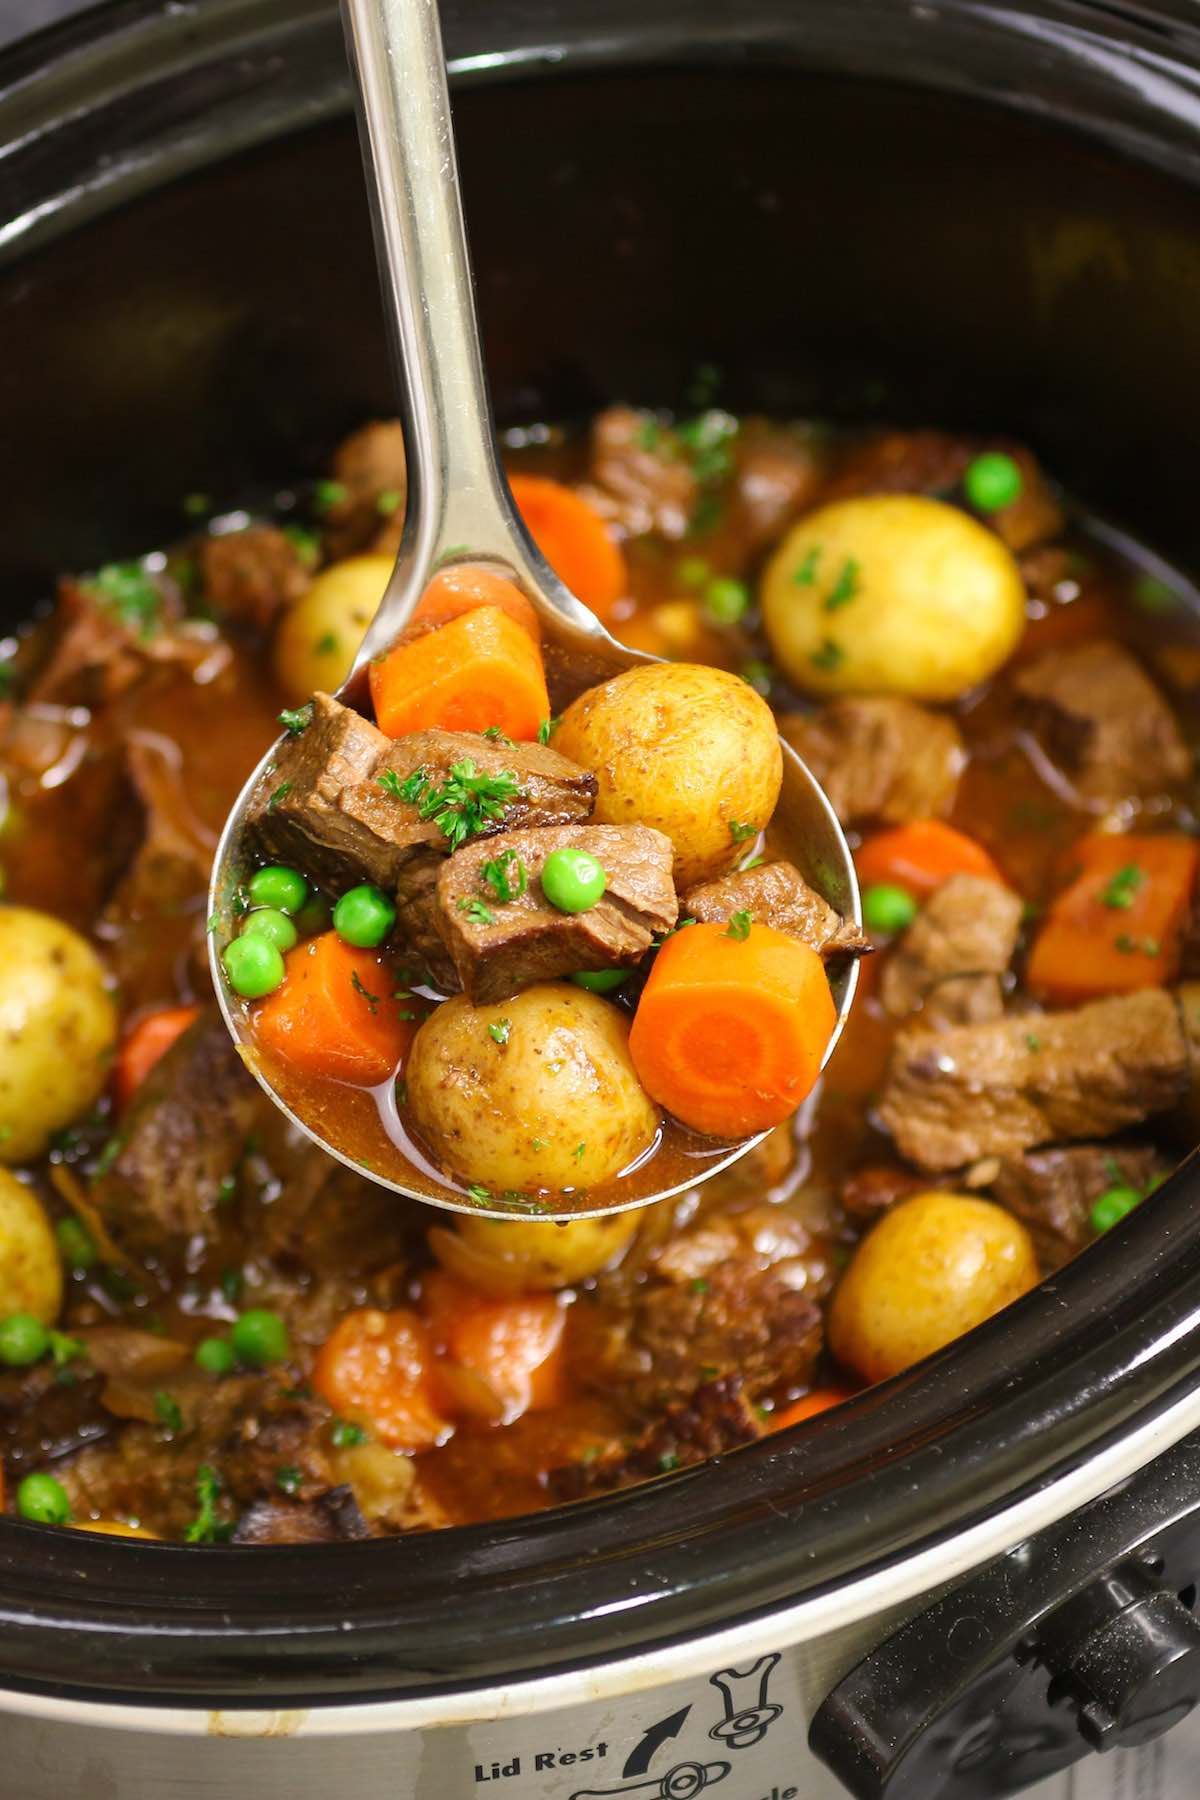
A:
(748, 1712)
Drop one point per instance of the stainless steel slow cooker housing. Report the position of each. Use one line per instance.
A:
(955, 212)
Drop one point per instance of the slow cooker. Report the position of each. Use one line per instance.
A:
(962, 212)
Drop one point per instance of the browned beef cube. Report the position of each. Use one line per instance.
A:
(902, 462)
(999, 1089)
(949, 962)
(1054, 1190)
(416, 896)
(777, 474)
(329, 1518)
(370, 481)
(639, 476)
(883, 758)
(498, 947)
(716, 1418)
(1101, 719)
(776, 894)
(249, 576)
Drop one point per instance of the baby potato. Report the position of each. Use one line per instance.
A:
(686, 748)
(30, 1267)
(892, 594)
(317, 637)
(554, 1104)
(58, 1026)
(537, 1253)
(933, 1267)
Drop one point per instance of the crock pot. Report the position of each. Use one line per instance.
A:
(958, 213)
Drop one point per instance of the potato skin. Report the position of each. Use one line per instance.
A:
(689, 749)
(58, 1027)
(935, 605)
(316, 638)
(935, 1265)
(30, 1267)
(562, 1079)
(538, 1254)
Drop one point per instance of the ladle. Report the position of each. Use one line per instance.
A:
(459, 509)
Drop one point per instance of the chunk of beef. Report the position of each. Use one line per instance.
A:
(96, 652)
(776, 894)
(1035, 515)
(1002, 1088)
(901, 462)
(172, 863)
(506, 946)
(416, 895)
(886, 759)
(184, 1136)
(876, 1188)
(949, 962)
(1100, 718)
(44, 1417)
(777, 474)
(638, 474)
(331, 803)
(329, 1518)
(277, 1431)
(715, 1418)
(1053, 1190)
(249, 576)
(370, 470)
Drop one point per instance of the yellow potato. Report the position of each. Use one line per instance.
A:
(556, 1105)
(113, 1528)
(688, 749)
(58, 1026)
(528, 1254)
(317, 638)
(892, 594)
(30, 1267)
(933, 1267)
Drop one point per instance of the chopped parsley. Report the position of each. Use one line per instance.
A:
(344, 1434)
(708, 440)
(328, 494)
(649, 434)
(668, 1462)
(281, 793)
(829, 656)
(547, 726)
(476, 911)
(806, 574)
(538, 1144)
(507, 876)
(579, 1151)
(1131, 946)
(64, 1349)
(128, 594)
(465, 802)
(109, 1153)
(306, 544)
(232, 1284)
(1032, 1041)
(326, 644)
(296, 719)
(168, 1411)
(499, 1029)
(494, 733)
(388, 501)
(1120, 891)
(205, 1528)
(289, 1479)
(740, 831)
(758, 675)
(738, 926)
(698, 1285)
(845, 587)
(478, 1192)
(372, 1000)
(8, 676)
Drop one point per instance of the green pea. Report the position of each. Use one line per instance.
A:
(993, 481)
(600, 981)
(692, 572)
(1112, 1206)
(23, 1340)
(284, 888)
(314, 916)
(43, 1500)
(725, 600)
(260, 1337)
(888, 909)
(573, 880)
(216, 1356)
(75, 1244)
(254, 966)
(364, 916)
(269, 922)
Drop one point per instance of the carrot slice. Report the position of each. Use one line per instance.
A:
(375, 1370)
(461, 589)
(337, 1014)
(144, 1045)
(514, 1345)
(729, 1032)
(574, 540)
(921, 855)
(819, 1401)
(479, 670)
(1118, 925)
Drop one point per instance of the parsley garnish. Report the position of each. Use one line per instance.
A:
(233, 1281)
(1121, 889)
(668, 1462)
(476, 911)
(478, 1192)
(297, 718)
(326, 644)
(698, 1285)
(372, 1000)
(494, 733)
(705, 514)
(1032, 1042)
(547, 726)
(288, 1479)
(467, 800)
(845, 587)
(649, 434)
(388, 502)
(344, 1434)
(538, 1144)
(499, 1029)
(127, 592)
(806, 574)
(281, 793)
(739, 831)
(578, 1152)
(8, 676)
(1131, 946)
(739, 925)
(507, 876)
(109, 1153)
(306, 544)
(829, 656)
(64, 1349)
(204, 1528)
(168, 1411)
(328, 494)
(708, 439)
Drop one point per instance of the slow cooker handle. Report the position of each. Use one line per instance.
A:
(1082, 1637)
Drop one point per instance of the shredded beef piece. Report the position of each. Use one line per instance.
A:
(886, 759)
(171, 865)
(526, 939)
(999, 1089)
(1101, 719)
(776, 894)
(249, 576)
(639, 476)
(328, 1518)
(370, 466)
(715, 1418)
(949, 962)
(1053, 1190)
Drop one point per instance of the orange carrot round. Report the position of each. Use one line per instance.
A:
(144, 1045)
(466, 586)
(375, 1370)
(479, 670)
(921, 855)
(574, 540)
(515, 1345)
(337, 1013)
(820, 1400)
(730, 1031)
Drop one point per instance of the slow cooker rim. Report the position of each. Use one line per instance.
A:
(75, 1601)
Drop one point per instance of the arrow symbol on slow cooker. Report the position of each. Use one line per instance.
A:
(640, 1757)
